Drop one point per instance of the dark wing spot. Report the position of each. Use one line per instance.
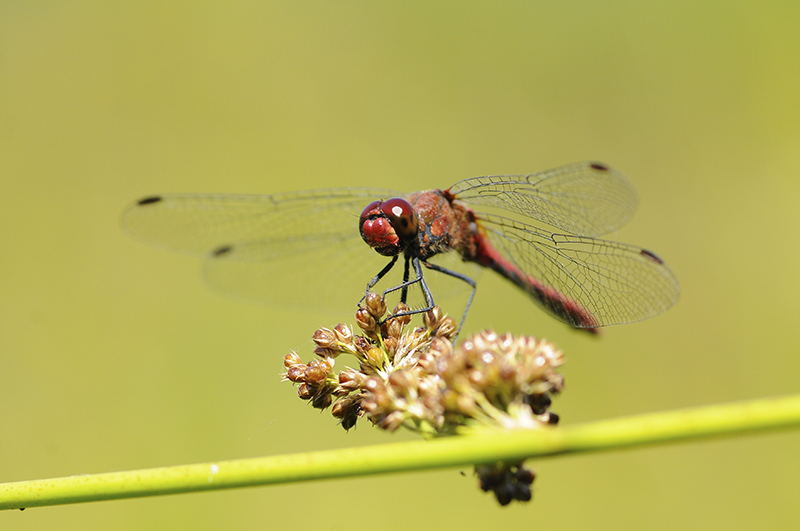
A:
(220, 251)
(651, 256)
(150, 200)
(598, 166)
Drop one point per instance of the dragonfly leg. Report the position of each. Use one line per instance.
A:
(406, 283)
(380, 275)
(426, 292)
(404, 294)
(404, 286)
(459, 276)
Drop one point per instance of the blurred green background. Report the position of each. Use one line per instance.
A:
(115, 355)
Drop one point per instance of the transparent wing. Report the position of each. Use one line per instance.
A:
(281, 223)
(327, 277)
(614, 282)
(586, 198)
(301, 247)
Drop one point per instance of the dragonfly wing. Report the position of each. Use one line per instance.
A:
(614, 282)
(283, 248)
(328, 274)
(586, 198)
(206, 224)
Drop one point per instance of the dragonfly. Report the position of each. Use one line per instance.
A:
(542, 232)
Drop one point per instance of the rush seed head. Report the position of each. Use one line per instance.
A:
(420, 380)
(417, 379)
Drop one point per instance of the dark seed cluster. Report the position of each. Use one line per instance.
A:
(417, 379)
(508, 482)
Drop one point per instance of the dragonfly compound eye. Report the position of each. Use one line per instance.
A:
(402, 217)
(378, 230)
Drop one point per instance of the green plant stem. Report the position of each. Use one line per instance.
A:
(485, 447)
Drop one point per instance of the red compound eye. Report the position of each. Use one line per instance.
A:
(402, 217)
(370, 211)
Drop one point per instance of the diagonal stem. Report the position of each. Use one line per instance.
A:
(483, 447)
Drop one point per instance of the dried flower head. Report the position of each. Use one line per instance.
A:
(509, 482)
(416, 378)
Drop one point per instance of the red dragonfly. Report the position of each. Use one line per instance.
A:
(545, 242)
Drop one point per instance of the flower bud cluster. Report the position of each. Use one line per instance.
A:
(417, 379)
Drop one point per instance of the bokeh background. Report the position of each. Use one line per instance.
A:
(115, 355)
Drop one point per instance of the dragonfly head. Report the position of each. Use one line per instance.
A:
(387, 226)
